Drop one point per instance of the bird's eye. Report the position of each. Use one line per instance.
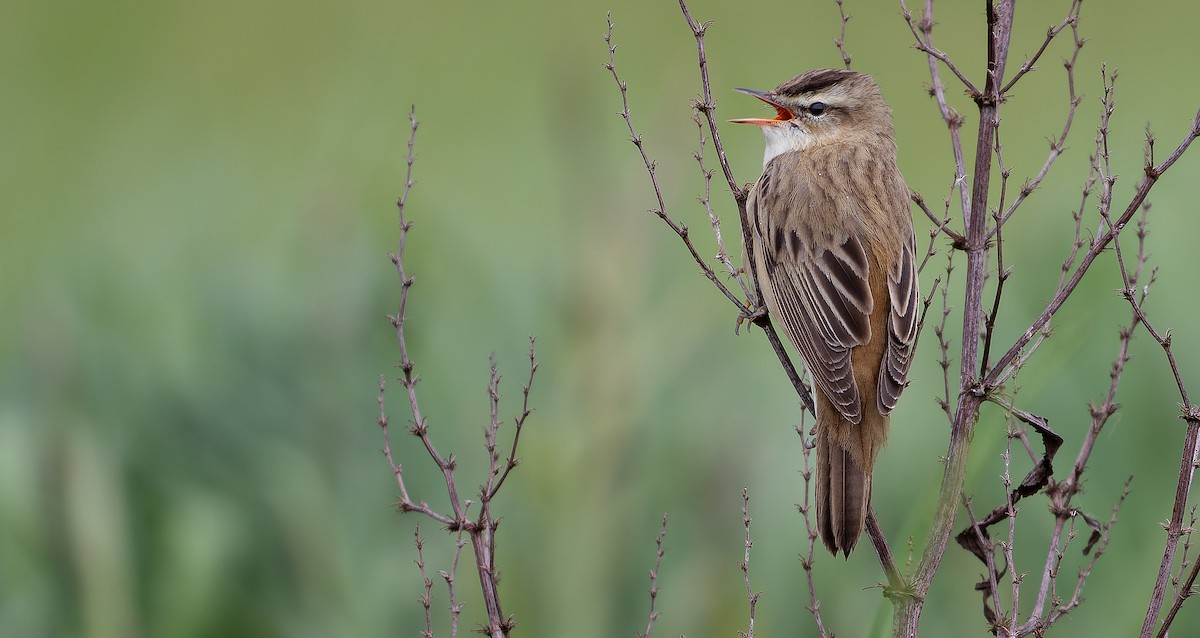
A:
(816, 108)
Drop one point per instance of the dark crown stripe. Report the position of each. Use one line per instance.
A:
(813, 81)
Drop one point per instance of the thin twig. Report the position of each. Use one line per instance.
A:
(807, 559)
(1187, 590)
(1015, 577)
(1177, 578)
(939, 331)
(409, 380)
(1073, 101)
(994, 613)
(1060, 608)
(1002, 274)
(1190, 412)
(751, 595)
(1063, 493)
(925, 44)
(1071, 20)
(482, 530)
(735, 272)
(940, 226)
(952, 118)
(840, 41)
(887, 561)
(518, 423)
(658, 555)
(1098, 245)
(708, 107)
(426, 583)
(448, 576)
(651, 168)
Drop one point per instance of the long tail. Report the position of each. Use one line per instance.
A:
(843, 493)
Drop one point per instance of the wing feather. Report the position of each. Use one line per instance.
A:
(902, 328)
(821, 295)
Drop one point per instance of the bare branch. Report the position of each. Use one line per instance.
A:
(1190, 412)
(409, 380)
(448, 576)
(840, 41)
(1037, 625)
(518, 423)
(939, 331)
(651, 167)
(990, 585)
(924, 44)
(658, 554)
(482, 530)
(807, 559)
(940, 226)
(708, 107)
(426, 583)
(706, 200)
(751, 595)
(896, 585)
(1073, 101)
(1071, 20)
(1063, 493)
(1098, 245)
(1002, 274)
(953, 120)
(1187, 590)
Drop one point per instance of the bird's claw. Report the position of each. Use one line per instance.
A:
(751, 315)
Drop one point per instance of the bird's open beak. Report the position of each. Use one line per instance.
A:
(782, 114)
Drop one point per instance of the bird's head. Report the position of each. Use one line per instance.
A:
(820, 107)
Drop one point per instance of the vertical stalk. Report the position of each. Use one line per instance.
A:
(907, 616)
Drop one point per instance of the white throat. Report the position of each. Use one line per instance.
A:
(783, 138)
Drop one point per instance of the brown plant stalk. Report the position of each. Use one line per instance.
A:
(481, 528)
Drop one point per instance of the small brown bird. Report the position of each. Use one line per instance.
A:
(834, 253)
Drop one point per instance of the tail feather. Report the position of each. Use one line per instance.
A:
(843, 494)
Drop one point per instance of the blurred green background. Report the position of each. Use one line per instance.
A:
(198, 207)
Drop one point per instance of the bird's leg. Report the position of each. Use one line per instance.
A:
(753, 315)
